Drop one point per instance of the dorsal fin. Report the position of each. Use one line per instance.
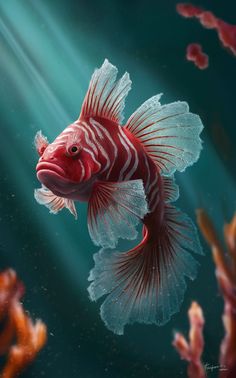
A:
(169, 133)
(106, 96)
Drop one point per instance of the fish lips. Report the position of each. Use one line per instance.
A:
(54, 178)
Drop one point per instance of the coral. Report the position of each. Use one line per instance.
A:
(225, 263)
(17, 325)
(196, 55)
(191, 351)
(226, 277)
(226, 32)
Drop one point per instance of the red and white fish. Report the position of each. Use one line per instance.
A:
(125, 173)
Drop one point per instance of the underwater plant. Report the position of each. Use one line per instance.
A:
(226, 276)
(191, 351)
(226, 32)
(196, 55)
(17, 325)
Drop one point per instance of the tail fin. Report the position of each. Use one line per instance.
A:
(147, 283)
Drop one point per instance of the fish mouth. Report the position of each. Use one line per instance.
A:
(54, 178)
(46, 166)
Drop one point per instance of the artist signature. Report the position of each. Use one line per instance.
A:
(209, 367)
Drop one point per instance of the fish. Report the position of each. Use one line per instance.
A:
(126, 175)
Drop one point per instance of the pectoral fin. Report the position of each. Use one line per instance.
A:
(54, 203)
(115, 210)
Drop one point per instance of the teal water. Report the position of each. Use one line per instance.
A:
(49, 50)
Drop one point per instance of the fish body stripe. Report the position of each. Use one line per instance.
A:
(96, 128)
(154, 182)
(91, 154)
(147, 181)
(90, 130)
(90, 145)
(63, 137)
(134, 156)
(152, 189)
(100, 148)
(131, 163)
(129, 157)
(104, 154)
(98, 141)
(88, 139)
(82, 170)
(104, 133)
(153, 205)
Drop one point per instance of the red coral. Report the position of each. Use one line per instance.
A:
(30, 338)
(188, 10)
(195, 54)
(226, 32)
(208, 20)
(227, 35)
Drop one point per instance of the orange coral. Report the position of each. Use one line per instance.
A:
(226, 276)
(191, 351)
(30, 338)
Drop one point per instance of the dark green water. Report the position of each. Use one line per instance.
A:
(48, 50)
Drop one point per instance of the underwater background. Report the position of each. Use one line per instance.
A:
(48, 51)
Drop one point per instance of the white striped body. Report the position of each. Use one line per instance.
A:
(120, 156)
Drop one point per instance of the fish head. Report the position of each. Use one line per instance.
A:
(66, 164)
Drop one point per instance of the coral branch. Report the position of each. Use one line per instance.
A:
(191, 351)
(226, 277)
(30, 338)
(211, 237)
(196, 55)
(230, 238)
(226, 32)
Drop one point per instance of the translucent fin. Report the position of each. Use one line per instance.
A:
(171, 189)
(40, 142)
(45, 197)
(169, 133)
(106, 97)
(115, 210)
(146, 284)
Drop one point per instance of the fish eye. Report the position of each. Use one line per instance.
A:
(74, 150)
